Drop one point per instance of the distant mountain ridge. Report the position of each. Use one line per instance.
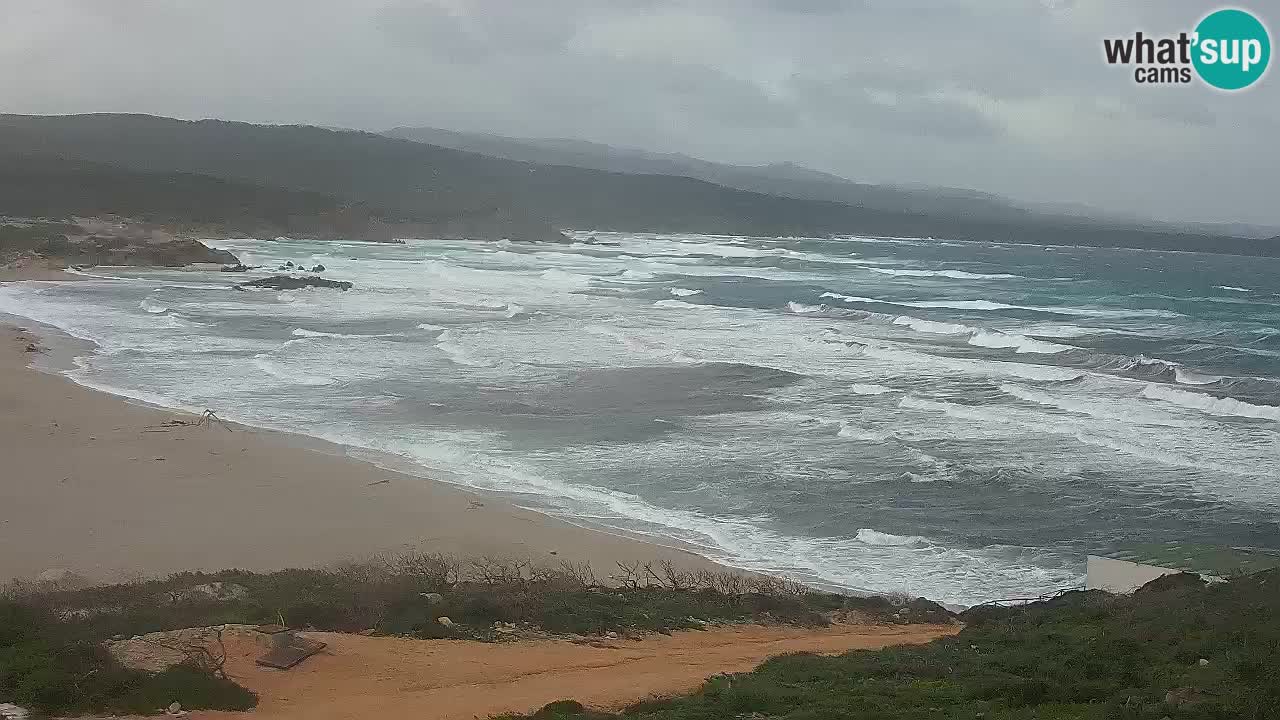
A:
(782, 179)
(788, 179)
(379, 184)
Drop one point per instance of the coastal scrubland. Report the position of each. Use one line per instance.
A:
(1175, 649)
(52, 654)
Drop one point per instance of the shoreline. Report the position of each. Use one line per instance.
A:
(100, 486)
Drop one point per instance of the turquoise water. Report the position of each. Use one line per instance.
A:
(959, 420)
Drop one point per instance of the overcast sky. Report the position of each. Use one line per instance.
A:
(1008, 96)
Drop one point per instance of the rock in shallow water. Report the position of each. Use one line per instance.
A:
(290, 282)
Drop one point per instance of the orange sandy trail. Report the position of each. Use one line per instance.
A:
(389, 678)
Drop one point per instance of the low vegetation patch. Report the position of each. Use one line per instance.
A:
(1176, 649)
(51, 640)
(409, 593)
(60, 667)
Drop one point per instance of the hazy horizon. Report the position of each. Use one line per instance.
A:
(877, 92)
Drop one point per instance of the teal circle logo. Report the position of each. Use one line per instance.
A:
(1232, 49)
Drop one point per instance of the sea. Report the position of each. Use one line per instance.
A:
(961, 421)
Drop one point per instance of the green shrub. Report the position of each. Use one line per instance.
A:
(55, 667)
(1084, 655)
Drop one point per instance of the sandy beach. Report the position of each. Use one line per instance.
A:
(100, 486)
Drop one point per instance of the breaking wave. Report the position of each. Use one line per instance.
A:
(1110, 410)
(1019, 343)
(981, 337)
(153, 306)
(868, 536)
(1211, 404)
(682, 305)
(802, 309)
(931, 326)
(953, 274)
(988, 305)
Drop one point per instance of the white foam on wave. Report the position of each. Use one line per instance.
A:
(852, 432)
(1165, 457)
(1108, 409)
(1212, 405)
(1019, 343)
(720, 250)
(305, 333)
(566, 280)
(869, 536)
(153, 306)
(932, 326)
(870, 389)
(1232, 288)
(981, 337)
(85, 273)
(1009, 422)
(682, 305)
(684, 292)
(447, 342)
(997, 368)
(1061, 331)
(264, 363)
(962, 412)
(965, 305)
(953, 274)
(855, 298)
(988, 305)
(802, 309)
(1190, 377)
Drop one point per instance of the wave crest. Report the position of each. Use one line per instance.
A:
(869, 536)
(1211, 404)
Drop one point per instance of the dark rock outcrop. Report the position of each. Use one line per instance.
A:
(121, 251)
(291, 282)
(109, 243)
(238, 267)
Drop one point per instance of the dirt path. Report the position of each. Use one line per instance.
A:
(376, 678)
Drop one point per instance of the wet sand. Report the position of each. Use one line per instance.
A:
(93, 484)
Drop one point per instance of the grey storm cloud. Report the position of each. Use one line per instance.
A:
(1006, 96)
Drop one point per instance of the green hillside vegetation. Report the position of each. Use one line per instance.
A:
(53, 187)
(465, 193)
(1175, 649)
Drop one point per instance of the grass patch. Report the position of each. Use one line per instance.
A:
(1083, 655)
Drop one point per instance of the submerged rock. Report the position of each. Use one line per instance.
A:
(290, 282)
